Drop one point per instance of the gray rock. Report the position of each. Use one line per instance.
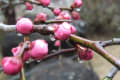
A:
(50, 70)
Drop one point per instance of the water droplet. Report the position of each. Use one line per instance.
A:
(38, 61)
(52, 38)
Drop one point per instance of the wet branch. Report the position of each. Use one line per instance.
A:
(51, 8)
(97, 46)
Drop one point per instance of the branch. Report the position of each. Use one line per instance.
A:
(59, 52)
(6, 27)
(25, 45)
(96, 46)
(22, 74)
(52, 21)
(111, 74)
(51, 8)
(114, 41)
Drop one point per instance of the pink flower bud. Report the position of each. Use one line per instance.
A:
(57, 43)
(24, 26)
(28, 6)
(86, 54)
(45, 2)
(41, 17)
(78, 3)
(39, 49)
(12, 65)
(26, 55)
(57, 11)
(70, 27)
(63, 31)
(75, 15)
(63, 15)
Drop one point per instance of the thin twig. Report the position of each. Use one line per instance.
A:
(22, 74)
(51, 21)
(6, 27)
(114, 41)
(51, 8)
(111, 74)
(57, 21)
(62, 51)
(25, 45)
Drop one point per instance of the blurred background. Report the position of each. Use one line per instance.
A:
(100, 20)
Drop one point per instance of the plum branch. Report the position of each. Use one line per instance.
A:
(51, 8)
(95, 45)
(112, 73)
(59, 52)
(52, 21)
(114, 41)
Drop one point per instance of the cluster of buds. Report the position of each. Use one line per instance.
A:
(38, 49)
(57, 11)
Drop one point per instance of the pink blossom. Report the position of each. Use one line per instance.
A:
(63, 15)
(39, 49)
(45, 2)
(41, 17)
(78, 3)
(85, 54)
(63, 31)
(24, 26)
(57, 11)
(28, 6)
(11, 65)
(75, 15)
